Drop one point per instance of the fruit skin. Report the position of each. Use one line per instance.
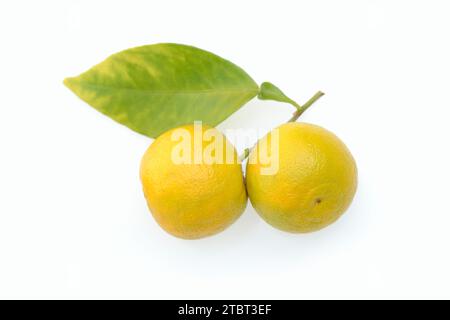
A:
(315, 183)
(192, 201)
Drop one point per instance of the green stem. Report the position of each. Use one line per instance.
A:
(245, 154)
(302, 109)
(295, 116)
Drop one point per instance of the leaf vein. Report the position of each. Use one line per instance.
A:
(173, 92)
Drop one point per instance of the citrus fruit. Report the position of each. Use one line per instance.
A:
(314, 182)
(192, 189)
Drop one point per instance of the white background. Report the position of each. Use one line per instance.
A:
(73, 219)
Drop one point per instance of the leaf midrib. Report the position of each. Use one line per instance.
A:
(172, 92)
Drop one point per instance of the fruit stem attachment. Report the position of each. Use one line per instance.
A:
(295, 116)
(309, 103)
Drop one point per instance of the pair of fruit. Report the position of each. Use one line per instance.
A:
(313, 185)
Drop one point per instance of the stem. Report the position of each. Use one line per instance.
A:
(245, 154)
(302, 109)
(295, 116)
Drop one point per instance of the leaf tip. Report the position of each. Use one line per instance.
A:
(67, 82)
(71, 83)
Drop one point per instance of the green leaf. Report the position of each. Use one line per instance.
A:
(269, 91)
(154, 88)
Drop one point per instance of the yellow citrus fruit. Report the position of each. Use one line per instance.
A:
(315, 182)
(195, 191)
